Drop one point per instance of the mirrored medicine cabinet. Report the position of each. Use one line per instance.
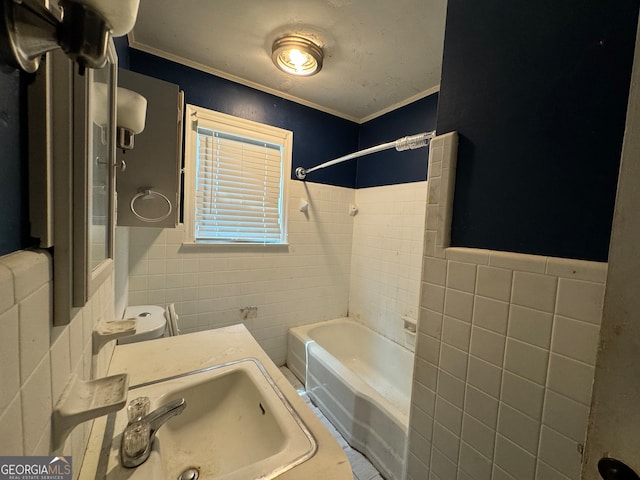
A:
(71, 172)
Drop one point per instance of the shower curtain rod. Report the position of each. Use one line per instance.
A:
(410, 142)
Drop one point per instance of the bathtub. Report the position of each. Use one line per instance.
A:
(362, 382)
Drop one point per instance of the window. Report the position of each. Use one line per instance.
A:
(236, 173)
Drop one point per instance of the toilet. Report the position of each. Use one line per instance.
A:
(151, 323)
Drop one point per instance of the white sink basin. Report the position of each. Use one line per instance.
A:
(237, 425)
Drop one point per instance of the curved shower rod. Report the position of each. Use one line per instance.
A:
(410, 142)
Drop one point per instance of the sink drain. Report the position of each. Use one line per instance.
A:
(189, 474)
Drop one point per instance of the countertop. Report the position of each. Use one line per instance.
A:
(156, 359)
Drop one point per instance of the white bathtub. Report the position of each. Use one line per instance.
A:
(362, 382)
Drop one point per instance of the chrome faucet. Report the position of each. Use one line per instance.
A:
(138, 436)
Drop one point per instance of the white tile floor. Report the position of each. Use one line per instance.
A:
(360, 465)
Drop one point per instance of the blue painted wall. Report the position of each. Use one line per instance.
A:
(122, 49)
(14, 223)
(391, 167)
(317, 136)
(538, 93)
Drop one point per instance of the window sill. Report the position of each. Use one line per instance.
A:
(235, 247)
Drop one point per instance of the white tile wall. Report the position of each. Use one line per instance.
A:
(386, 259)
(37, 359)
(308, 282)
(527, 374)
(121, 270)
(368, 266)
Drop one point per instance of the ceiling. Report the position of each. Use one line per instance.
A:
(378, 54)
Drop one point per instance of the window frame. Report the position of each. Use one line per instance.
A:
(243, 128)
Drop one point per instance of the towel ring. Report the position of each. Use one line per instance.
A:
(148, 193)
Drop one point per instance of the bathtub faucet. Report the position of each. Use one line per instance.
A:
(138, 436)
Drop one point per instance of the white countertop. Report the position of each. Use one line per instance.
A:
(156, 359)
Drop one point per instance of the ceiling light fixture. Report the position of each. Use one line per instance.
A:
(297, 55)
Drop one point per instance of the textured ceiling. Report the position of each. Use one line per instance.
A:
(379, 54)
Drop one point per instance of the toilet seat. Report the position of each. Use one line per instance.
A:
(172, 320)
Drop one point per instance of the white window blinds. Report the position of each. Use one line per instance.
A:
(238, 191)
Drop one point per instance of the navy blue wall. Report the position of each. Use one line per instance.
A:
(538, 93)
(122, 48)
(14, 223)
(391, 167)
(317, 136)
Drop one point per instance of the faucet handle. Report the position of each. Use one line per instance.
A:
(138, 408)
(136, 438)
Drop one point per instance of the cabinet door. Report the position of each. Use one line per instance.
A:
(148, 189)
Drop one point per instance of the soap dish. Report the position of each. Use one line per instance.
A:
(409, 324)
(107, 331)
(81, 401)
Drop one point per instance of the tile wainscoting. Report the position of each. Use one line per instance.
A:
(38, 359)
(367, 265)
(386, 258)
(304, 282)
(505, 355)
(505, 362)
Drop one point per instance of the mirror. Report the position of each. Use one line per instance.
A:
(72, 153)
(71, 173)
(93, 171)
(101, 150)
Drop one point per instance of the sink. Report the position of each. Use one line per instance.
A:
(237, 425)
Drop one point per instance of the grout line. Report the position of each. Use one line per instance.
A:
(466, 381)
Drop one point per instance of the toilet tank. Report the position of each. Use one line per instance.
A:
(151, 322)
